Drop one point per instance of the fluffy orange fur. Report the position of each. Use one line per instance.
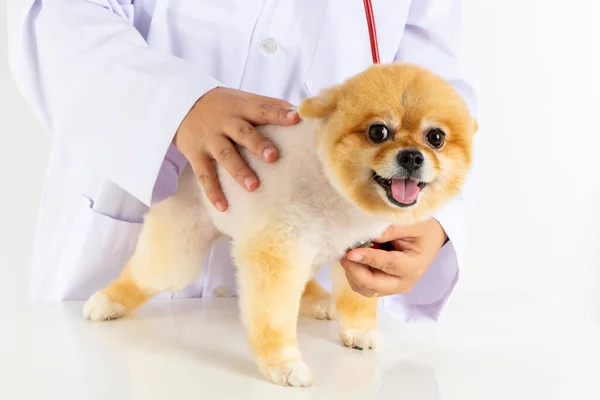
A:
(404, 96)
(315, 301)
(274, 274)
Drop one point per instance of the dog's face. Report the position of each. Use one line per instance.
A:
(395, 140)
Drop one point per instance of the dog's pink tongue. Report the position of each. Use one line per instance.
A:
(405, 191)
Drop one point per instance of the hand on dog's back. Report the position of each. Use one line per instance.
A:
(220, 120)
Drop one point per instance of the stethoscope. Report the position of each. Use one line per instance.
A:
(372, 30)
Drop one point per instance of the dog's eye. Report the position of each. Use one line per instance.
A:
(378, 133)
(436, 138)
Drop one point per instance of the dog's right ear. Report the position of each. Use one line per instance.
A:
(320, 106)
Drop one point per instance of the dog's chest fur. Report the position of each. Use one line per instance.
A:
(296, 201)
(328, 225)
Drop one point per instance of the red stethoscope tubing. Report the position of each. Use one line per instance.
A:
(374, 47)
(372, 30)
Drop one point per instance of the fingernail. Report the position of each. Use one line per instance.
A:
(355, 257)
(249, 181)
(220, 206)
(267, 152)
(291, 114)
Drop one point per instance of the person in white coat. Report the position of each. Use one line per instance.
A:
(114, 80)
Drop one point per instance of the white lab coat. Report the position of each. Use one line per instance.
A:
(112, 79)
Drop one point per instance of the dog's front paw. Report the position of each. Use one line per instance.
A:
(360, 339)
(290, 373)
(100, 307)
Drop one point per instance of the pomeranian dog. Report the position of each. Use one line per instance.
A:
(390, 145)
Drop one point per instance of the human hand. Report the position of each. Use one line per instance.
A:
(218, 119)
(397, 269)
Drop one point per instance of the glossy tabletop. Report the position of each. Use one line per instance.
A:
(483, 349)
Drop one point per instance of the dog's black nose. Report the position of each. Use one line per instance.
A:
(410, 160)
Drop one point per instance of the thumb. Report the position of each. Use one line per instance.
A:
(395, 232)
(390, 262)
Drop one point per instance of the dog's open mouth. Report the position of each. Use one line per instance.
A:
(401, 192)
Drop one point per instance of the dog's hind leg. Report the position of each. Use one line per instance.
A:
(316, 301)
(176, 235)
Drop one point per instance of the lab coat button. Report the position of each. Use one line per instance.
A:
(268, 46)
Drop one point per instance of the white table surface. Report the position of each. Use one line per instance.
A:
(195, 349)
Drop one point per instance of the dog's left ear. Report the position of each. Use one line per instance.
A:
(320, 106)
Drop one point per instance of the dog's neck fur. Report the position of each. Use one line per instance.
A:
(340, 223)
(298, 198)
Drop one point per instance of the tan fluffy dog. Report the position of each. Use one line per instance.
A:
(388, 146)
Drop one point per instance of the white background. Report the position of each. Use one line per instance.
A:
(535, 226)
(24, 153)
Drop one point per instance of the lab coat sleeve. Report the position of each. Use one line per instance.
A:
(105, 97)
(433, 38)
